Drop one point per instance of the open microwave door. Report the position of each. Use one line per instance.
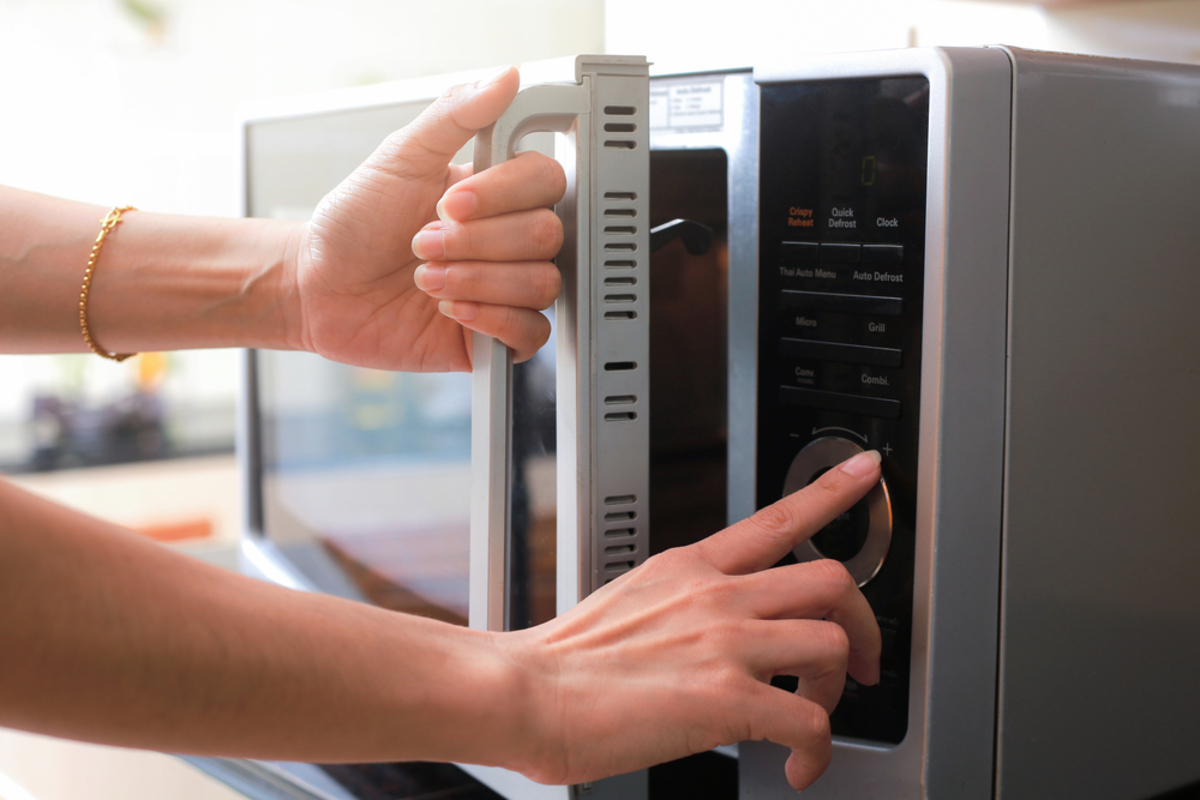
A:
(537, 551)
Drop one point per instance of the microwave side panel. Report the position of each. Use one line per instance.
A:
(948, 749)
(1101, 605)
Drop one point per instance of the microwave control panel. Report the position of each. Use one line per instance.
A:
(841, 256)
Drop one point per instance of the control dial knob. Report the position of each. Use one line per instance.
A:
(860, 538)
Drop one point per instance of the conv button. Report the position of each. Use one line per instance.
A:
(795, 253)
(865, 304)
(839, 253)
(845, 353)
(889, 254)
(836, 401)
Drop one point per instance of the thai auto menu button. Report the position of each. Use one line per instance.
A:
(795, 253)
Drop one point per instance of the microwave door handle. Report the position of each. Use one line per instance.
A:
(603, 85)
(543, 108)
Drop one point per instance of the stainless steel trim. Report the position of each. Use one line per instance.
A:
(949, 749)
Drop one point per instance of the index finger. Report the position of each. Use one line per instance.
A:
(759, 541)
(529, 181)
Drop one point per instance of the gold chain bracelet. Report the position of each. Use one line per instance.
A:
(109, 222)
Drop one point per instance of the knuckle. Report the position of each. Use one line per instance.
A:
(721, 682)
(555, 178)
(815, 721)
(547, 283)
(533, 330)
(461, 240)
(546, 233)
(544, 172)
(777, 520)
(668, 561)
(835, 642)
(834, 575)
(464, 281)
(541, 333)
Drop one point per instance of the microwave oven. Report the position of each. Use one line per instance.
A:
(979, 261)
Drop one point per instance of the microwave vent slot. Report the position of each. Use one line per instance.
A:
(620, 500)
(620, 111)
(620, 212)
(621, 247)
(627, 196)
(620, 315)
(620, 533)
(620, 264)
(622, 281)
(620, 550)
(621, 144)
(621, 416)
(620, 516)
(620, 127)
(620, 230)
(620, 298)
(620, 366)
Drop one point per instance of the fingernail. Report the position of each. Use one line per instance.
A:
(485, 82)
(430, 277)
(459, 310)
(429, 243)
(457, 206)
(862, 464)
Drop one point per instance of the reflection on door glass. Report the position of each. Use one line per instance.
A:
(533, 517)
(366, 480)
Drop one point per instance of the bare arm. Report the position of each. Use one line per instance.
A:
(113, 639)
(344, 284)
(162, 282)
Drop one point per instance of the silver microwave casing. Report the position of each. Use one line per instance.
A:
(1057, 613)
(1057, 605)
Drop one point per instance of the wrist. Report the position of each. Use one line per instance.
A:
(167, 282)
(534, 741)
(285, 289)
(480, 701)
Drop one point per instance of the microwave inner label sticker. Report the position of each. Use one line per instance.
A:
(687, 105)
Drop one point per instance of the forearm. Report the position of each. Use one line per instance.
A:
(162, 282)
(106, 637)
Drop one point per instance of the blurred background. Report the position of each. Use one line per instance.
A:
(137, 102)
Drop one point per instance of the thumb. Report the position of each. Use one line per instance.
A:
(429, 142)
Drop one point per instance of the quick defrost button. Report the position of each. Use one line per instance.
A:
(840, 253)
(795, 253)
(883, 254)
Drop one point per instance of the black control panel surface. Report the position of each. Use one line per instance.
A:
(841, 252)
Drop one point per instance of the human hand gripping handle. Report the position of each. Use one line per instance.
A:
(676, 656)
(392, 271)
